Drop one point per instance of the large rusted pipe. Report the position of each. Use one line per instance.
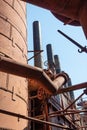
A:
(69, 11)
(20, 116)
(37, 76)
(60, 80)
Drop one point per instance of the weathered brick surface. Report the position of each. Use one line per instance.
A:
(14, 45)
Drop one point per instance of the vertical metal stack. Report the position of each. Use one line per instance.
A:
(37, 47)
(71, 92)
(13, 89)
(57, 64)
(37, 44)
(50, 57)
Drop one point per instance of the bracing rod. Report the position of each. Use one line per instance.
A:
(82, 49)
(34, 119)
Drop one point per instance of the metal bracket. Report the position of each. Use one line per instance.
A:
(38, 52)
(13, 94)
(13, 43)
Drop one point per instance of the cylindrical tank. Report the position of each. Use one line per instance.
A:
(13, 89)
(37, 44)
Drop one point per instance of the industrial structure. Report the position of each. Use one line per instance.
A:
(33, 98)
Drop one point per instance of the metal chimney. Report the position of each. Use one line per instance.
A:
(57, 64)
(71, 92)
(13, 45)
(37, 44)
(50, 57)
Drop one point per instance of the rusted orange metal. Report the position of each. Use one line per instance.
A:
(73, 87)
(20, 116)
(37, 77)
(16, 68)
(68, 11)
(61, 113)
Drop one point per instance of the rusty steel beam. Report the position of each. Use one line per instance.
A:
(74, 101)
(10, 66)
(33, 119)
(83, 127)
(37, 76)
(72, 88)
(62, 113)
(66, 113)
(38, 52)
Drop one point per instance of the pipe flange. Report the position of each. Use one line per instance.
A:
(65, 75)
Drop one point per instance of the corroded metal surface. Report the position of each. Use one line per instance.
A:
(71, 12)
(37, 77)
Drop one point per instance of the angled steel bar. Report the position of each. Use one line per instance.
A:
(70, 111)
(34, 119)
(11, 66)
(38, 52)
(35, 51)
(24, 70)
(66, 113)
(74, 101)
(83, 49)
(72, 88)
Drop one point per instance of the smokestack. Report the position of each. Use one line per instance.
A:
(37, 44)
(13, 45)
(71, 92)
(50, 57)
(57, 64)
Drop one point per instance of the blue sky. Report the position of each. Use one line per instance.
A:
(71, 61)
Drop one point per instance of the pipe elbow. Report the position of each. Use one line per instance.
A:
(60, 80)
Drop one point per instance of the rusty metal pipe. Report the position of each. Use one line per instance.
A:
(34, 73)
(74, 101)
(60, 80)
(74, 87)
(61, 112)
(13, 67)
(33, 119)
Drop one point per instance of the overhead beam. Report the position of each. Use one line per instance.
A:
(73, 88)
(34, 119)
(24, 70)
(11, 66)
